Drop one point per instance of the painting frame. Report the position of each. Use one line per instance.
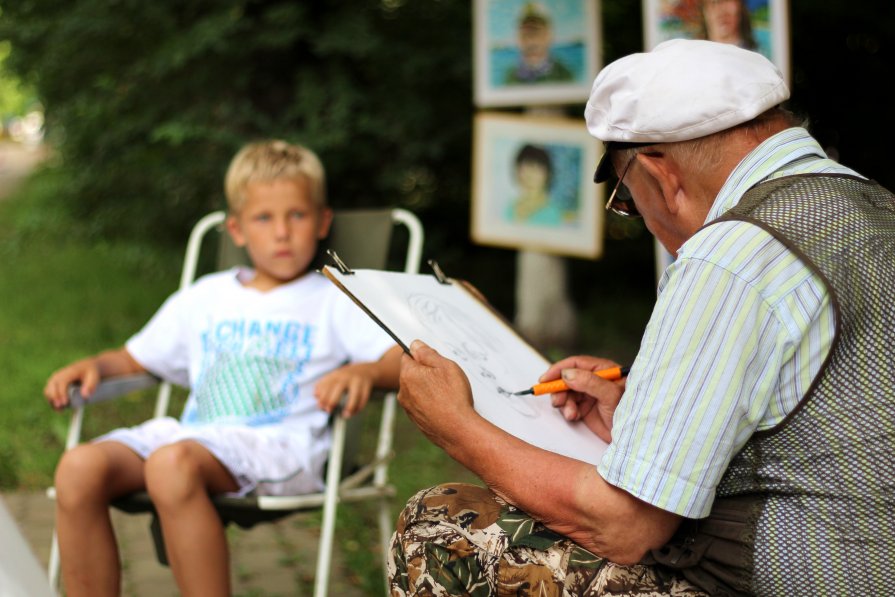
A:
(769, 20)
(567, 217)
(502, 77)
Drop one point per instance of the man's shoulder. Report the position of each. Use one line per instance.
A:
(735, 246)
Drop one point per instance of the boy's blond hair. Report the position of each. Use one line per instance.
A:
(266, 161)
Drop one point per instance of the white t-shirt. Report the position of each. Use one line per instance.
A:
(252, 357)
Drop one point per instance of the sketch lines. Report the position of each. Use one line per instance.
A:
(464, 342)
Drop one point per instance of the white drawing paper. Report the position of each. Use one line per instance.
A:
(494, 357)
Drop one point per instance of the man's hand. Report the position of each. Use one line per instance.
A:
(435, 392)
(590, 398)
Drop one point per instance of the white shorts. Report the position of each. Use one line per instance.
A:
(267, 460)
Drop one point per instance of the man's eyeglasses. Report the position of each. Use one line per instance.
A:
(620, 200)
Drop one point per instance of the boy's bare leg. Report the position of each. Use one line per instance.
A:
(180, 478)
(88, 477)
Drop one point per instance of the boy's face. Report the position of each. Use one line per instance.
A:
(279, 225)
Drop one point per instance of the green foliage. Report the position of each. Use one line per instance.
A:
(16, 98)
(147, 101)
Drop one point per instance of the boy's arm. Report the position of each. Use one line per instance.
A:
(356, 381)
(88, 372)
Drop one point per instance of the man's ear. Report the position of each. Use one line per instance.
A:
(326, 220)
(666, 173)
(235, 231)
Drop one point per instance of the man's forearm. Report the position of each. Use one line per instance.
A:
(567, 495)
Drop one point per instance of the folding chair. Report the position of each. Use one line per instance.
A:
(363, 239)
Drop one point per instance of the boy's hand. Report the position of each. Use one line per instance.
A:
(354, 381)
(86, 372)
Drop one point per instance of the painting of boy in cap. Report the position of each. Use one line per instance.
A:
(536, 63)
(534, 52)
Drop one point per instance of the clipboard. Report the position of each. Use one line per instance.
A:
(445, 314)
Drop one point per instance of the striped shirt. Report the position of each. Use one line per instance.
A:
(739, 330)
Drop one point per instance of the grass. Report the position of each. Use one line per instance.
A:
(63, 297)
(66, 295)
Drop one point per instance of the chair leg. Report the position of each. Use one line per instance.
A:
(72, 438)
(53, 565)
(386, 522)
(331, 503)
(158, 540)
(385, 536)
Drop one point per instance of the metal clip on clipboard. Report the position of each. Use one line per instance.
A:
(340, 265)
(439, 275)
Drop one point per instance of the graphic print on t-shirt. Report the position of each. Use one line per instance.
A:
(250, 371)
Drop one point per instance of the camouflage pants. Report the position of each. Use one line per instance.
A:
(461, 539)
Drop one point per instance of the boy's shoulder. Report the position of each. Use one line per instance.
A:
(217, 281)
(312, 284)
(209, 286)
(310, 288)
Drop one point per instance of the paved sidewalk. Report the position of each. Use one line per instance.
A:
(16, 162)
(275, 559)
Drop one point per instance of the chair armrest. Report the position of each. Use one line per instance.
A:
(110, 388)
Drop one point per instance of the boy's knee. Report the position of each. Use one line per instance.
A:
(172, 474)
(81, 476)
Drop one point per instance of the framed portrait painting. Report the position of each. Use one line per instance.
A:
(533, 185)
(760, 25)
(534, 52)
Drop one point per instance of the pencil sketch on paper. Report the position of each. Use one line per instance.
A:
(469, 346)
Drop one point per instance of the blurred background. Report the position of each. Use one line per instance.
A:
(119, 118)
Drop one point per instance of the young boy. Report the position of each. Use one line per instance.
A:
(262, 350)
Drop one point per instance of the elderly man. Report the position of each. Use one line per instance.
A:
(751, 445)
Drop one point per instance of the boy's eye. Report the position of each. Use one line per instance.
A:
(261, 217)
(298, 215)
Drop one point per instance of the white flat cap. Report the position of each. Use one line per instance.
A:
(681, 90)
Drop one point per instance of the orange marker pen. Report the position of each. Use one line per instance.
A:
(558, 385)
